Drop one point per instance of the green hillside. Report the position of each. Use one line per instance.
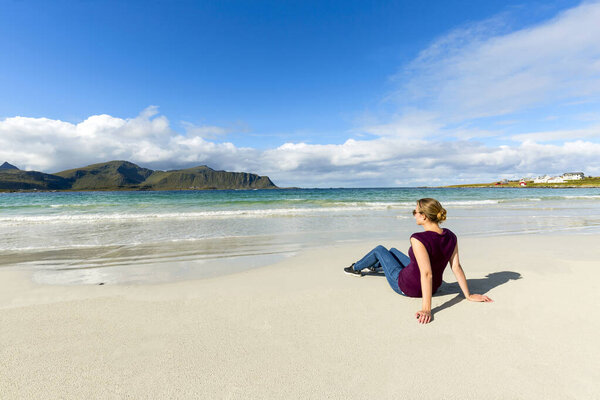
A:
(590, 181)
(103, 176)
(204, 177)
(123, 175)
(14, 179)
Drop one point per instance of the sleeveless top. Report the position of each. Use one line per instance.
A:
(440, 247)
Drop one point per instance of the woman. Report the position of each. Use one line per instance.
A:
(420, 274)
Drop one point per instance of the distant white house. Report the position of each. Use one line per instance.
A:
(567, 176)
(542, 179)
(549, 179)
(573, 176)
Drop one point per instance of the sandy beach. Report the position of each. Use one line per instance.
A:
(303, 329)
(186, 185)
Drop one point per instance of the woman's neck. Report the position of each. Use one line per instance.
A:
(432, 226)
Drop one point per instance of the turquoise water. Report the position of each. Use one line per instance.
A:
(47, 231)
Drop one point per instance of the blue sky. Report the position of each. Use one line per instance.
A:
(311, 93)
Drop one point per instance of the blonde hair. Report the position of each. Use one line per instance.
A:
(432, 209)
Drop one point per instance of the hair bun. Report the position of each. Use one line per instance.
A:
(441, 215)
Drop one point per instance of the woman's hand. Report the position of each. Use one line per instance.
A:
(479, 297)
(423, 316)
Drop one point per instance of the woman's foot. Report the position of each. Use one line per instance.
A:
(351, 271)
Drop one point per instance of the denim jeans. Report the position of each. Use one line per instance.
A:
(392, 261)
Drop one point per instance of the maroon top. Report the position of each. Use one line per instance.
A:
(440, 247)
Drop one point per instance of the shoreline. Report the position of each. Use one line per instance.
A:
(134, 190)
(173, 262)
(467, 186)
(537, 186)
(301, 328)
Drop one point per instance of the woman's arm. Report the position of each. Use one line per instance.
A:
(462, 279)
(424, 316)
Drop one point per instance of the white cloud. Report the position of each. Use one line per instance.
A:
(475, 72)
(204, 131)
(411, 124)
(148, 140)
(591, 132)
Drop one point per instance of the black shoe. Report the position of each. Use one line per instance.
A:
(351, 271)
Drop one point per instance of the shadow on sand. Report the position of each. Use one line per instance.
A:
(479, 286)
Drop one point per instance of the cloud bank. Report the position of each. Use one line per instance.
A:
(148, 140)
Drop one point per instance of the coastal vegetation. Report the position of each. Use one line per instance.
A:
(590, 181)
(124, 175)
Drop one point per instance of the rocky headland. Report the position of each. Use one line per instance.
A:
(124, 175)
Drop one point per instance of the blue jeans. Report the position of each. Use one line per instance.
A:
(392, 261)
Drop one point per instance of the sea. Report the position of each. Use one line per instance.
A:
(151, 237)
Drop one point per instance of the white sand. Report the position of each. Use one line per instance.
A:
(303, 329)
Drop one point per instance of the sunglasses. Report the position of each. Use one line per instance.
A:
(415, 212)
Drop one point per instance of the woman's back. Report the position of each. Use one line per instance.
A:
(440, 247)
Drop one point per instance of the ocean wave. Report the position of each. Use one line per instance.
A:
(369, 204)
(112, 246)
(519, 200)
(553, 198)
(118, 217)
(547, 198)
(591, 196)
(80, 205)
(54, 247)
(470, 202)
(86, 213)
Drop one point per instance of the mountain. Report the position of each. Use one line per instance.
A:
(15, 179)
(103, 176)
(123, 175)
(7, 166)
(204, 177)
(12, 178)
